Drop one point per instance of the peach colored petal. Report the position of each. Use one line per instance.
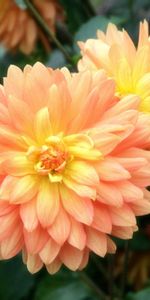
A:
(75, 206)
(34, 263)
(49, 252)
(77, 236)
(84, 259)
(24, 190)
(13, 244)
(102, 219)
(54, 266)
(28, 215)
(96, 241)
(116, 170)
(71, 257)
(109, 194)
(57, 232)
(47, 203)
(35, 240)
(122, 216)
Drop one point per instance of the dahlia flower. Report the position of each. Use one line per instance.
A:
(73, 166)
(18, 30)
(117, 55)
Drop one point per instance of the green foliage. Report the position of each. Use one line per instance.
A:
(142, 295)
(65, 285)
(15, 281)
(75, 13)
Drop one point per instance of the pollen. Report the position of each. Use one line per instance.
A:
(50, 159)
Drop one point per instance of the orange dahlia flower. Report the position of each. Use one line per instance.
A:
(73, 166)
(117, 55)
(18, 30)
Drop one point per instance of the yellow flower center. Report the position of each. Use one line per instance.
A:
(52, 158)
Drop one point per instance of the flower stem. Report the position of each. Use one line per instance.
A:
(111, 276)
(51, 36)
(125, 269)
(106, 274)
(93, 286)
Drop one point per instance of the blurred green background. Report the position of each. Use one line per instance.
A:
(82, 19)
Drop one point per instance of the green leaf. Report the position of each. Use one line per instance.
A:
(56, 60)
(141, 295)
(88, 29)
(65, 285)
(15, 281)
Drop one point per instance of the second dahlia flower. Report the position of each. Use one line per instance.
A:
(18, 29)
(73, 166)
(116, 53)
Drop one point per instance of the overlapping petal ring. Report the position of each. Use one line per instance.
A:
(73, 166)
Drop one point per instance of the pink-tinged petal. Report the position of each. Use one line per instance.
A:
(84, 259)
(55, 108)
(116, 170)
(54, 266)
(14, 75)
(123, 232)
(36, 89)
(7, 186)
(141, 207)
(109, 194)
(13, 244)
(126, 118)
(83, 173)
(35, 240)
(96, 241)
(25, 189)
(59, 104)
(129, 191)
(9, 138)
(4, 115)
(131, 163)
(17, 164)
(111, 247)
(3, 99)
(28, 215)
(137, 155)
(71, 257)
(101, 220)
(78, 95)
(83, 119)
(79, 208)
(122, 216)
(34, 263)
(106, 96)
(49, 252)
(60, 233)
(8, 224)
(95, 104)
(21, 115)
(127, 103)
(106, 143)
(141, 177)
(81, 190)
(77, 236)
(47, 203)
(5, 208)
(42, 125)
